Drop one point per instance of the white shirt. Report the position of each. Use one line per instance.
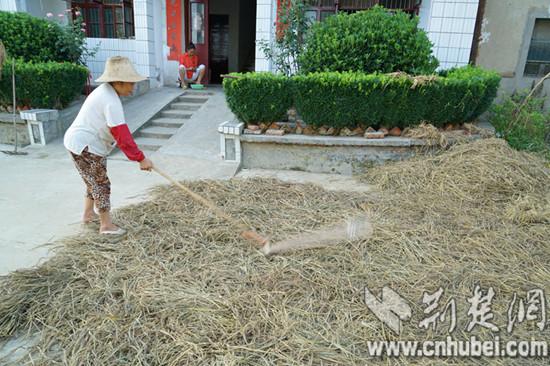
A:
(100, 111)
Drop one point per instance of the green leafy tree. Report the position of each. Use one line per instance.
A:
(375, 40)
(285, 51)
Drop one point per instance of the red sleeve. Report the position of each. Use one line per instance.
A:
(126, 142)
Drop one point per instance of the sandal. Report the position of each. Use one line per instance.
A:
(119, 231)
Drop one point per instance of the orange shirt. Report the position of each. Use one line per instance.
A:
(189, 61)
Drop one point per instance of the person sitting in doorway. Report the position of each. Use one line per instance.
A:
(190, 70)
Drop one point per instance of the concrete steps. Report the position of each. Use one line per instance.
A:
(149, 144)
(185, 106)
(156, 132)
(175, 113)
(192, 99)
(166, 122)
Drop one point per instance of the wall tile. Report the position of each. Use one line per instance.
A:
(455, 40)
(262, 65)
(263, 25)
(469, 26)
(452, 55)
(449, 9)
(464, 55)
(263, 36)
(466, 41)
(438, 9)
(456, 25)
(460, 10)
(471, 10)
(445, 39)
(442, 54)
(446, 25)
(434, 37)
(263, 12)
(435, 24)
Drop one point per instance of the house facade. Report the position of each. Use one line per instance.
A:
(513, 39)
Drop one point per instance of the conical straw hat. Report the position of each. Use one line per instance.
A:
(120, 68)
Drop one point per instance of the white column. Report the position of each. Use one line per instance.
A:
(265, 30)
(9, 5)
(145, 40)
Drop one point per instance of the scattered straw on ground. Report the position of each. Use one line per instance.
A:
(434, 137)
(183, 289)
(431, 135)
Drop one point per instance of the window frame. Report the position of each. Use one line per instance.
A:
(542, 64)
(320, 8)
(337, 6)
(128, 25)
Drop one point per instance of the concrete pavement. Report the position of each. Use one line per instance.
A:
(41, 198)
(41, 194)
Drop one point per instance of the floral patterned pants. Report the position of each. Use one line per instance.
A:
(93, 170)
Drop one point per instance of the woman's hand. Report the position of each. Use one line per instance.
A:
(146, 164)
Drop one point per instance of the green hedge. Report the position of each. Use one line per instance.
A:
(369, 41)
(31, 38)
(351, 99)
(43, 85)
(258, 97)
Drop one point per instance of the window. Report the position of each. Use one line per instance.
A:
(107, 18)
(322, 9)
(197, 23)
(538, 58)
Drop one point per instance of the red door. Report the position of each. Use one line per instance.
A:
(196, 31)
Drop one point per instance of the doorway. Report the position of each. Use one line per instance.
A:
(224, 33)
(219, 47)
(232, 37)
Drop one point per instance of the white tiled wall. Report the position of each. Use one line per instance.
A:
(9, 5)
(108, 47)
(265, 18)
(450, 26)
(140, 50)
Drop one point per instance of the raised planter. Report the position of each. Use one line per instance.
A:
(7, 133)
(53, 130)
(323, 154)
(42, 124)
(318, 154)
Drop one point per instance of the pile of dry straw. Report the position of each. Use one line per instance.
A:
(182, 288)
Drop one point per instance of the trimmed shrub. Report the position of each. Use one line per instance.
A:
(368, 41)
(30, 38)
(351, 99)
(258, 97)
(42, 85)
(39, 40)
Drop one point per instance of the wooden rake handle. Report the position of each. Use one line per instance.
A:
(245, 231)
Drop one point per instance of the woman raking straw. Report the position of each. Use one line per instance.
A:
(97, 129)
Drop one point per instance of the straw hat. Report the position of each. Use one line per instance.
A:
(120, 68)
